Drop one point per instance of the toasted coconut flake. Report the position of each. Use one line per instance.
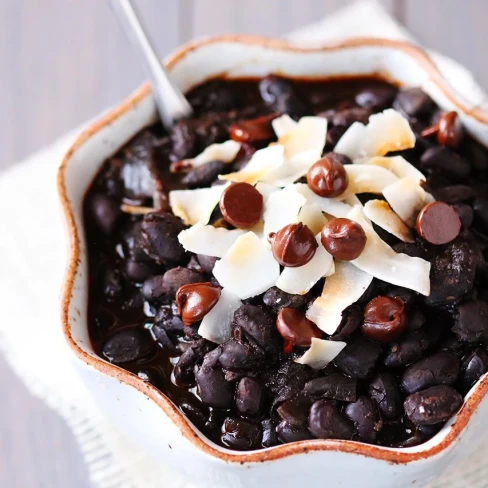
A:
(261, 163)
(216, 325)
(407, 198)
(381, 261)
(194, 206)
(307, 135)
(208, 240)
(386, 132)
(399, 166)
(282, 208)
(248, 268)
(136, 210)
(379, 212)
(331, 206)
(299, 281)
(283, 124)
(311, 216)
(321, 353)
(343, 288)
(364, 178)
(224, 151)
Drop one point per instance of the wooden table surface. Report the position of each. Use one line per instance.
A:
(62, 61)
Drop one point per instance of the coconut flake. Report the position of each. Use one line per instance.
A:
(283, 124)
(385, 132)
(208, 240)
(194, 206)
(311, 216)
(225, 152)
(399, 166)
(266, 189)
(248, 268)
(260, 164)
(407, 198)
(321, 353)
(307, 135)
(364, 178)
(379, 212)
(282, 208)
(346, 286)
(381, 261)
(216, 325)
(136, 209)
(300, 280)
(331, 206)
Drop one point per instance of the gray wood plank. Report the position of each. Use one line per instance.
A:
(453, 27)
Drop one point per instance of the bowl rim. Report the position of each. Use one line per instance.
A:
(390, 455)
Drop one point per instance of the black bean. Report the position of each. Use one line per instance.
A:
(471, 321)
(290, 433)
(105, 212)
(184, 140)
(385, 392)
(408, 296)
(334, 134)
(358, 358)
(270, 436)
(259, 325)
(326, 422)
(413, 102)
(249, 397)
(408, 350)
(112, 283)
(473, 367)
(213, 390)
(240, 434)
(346, 117)
(433, 405)
(160, 232)
(237, 355)
(204, 175)
(137, 271)
(207, 262)
(128, 345)
(335, 386)
(377, 98)
(215, 96)
(351, 319)
(150, 375)
(480, 207)
(195, 410)
(184, 368)
(466, 214)
(133, 244)
(366, 418)
(441, 368)
(278, 94)
(454, 193)
(295, 410)
(442, 160)
(174, 278)
(277, 299)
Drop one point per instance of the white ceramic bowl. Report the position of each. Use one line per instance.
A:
(144, 412)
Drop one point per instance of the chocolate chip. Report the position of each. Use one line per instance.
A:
(471, 321)
(240, 434)
(296, 329)
(160, 234)
(258, 130)
(433, 405)
(241, 205)
(364, 413)
(195, 300)
(128, 345)
(204, 175)
(441, 368)
(326, 422)
(334, 386)
(105, 212)
(327, 177)
(384, 390)
(385, 319)
(343, 238)
(358, 358)
(277, 299)
(450, 131)
(293, 245)
(474, 366)
(438, 223)
(249, 397)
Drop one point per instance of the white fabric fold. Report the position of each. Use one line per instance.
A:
(32, 261)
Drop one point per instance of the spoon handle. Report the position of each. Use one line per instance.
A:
(171, 103)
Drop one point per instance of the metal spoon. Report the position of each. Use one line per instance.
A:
(170, 102)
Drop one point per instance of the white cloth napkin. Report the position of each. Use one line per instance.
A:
(32, 260)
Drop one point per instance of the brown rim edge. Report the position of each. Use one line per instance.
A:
(384, 454)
